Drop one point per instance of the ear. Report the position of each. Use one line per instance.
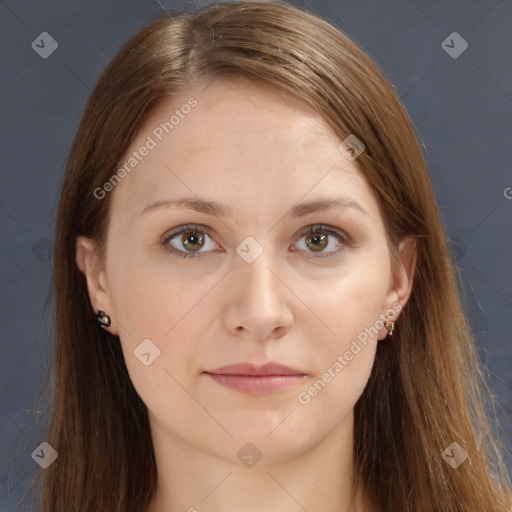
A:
(401, 280)
(88, 262)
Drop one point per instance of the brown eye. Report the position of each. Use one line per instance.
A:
(318, 237)
(317, 242)
(192, 240)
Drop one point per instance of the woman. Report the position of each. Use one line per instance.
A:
(257, 305)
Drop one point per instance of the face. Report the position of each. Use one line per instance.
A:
(263, 278)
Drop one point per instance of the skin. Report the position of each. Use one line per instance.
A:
(259, 151)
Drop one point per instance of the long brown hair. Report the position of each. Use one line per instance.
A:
(426, 390)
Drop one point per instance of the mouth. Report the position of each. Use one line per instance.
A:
(247, 378)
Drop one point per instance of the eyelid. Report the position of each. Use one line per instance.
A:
(311, 228)
(186, 227)
(306, 229)
(346, 239)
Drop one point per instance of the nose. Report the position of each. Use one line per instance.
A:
(258, 300)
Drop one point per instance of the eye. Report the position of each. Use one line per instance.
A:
(194, 238)
(317, 239)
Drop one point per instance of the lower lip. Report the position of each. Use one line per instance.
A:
(257, 384)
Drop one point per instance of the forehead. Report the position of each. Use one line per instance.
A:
(236, 140)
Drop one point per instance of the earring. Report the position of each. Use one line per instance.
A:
(102, 319)
(390, 326)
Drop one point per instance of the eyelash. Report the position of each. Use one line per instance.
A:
(311, 229)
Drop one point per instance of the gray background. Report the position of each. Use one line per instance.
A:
(462, 109)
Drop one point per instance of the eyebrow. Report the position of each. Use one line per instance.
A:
(223, 211)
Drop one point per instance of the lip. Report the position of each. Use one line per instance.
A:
(247, 378)
(250, 369)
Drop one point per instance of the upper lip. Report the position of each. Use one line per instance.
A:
(250, 369)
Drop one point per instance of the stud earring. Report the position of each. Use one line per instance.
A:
(390, 326)
(102, 319)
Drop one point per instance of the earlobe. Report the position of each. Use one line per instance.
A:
(87, 261)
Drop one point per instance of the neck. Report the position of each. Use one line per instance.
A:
(194, 480)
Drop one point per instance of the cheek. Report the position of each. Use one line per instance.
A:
(165, 306)
(351, 313)
(157, 317)
(147, 298)
(145, 307)
(353, 299)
